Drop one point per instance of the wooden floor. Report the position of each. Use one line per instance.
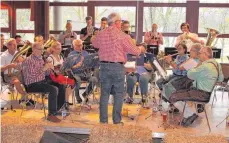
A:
(136, 116)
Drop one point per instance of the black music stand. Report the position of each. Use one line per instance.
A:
(216, 53)
(66, 49)
(170, 51)
(153, 49)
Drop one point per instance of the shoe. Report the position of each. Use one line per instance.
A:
(173, 109)
(79, 101)
(129, 100)
(53, 118)
(190, 120)
(182, 122)
(68, 103)
(120, 123)
(200, 108)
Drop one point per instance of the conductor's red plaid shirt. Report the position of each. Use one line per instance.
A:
(114, 44)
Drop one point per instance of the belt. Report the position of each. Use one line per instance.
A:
(112, 62)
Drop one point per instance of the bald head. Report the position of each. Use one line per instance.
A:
(77, 44)
(206, 53)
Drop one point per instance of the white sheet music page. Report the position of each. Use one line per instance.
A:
(160, 69)
(189, 64)
(130, 64)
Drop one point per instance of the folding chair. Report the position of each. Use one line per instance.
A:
(224, 85)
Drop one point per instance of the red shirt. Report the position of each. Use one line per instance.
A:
(113, 45)
(32, 69)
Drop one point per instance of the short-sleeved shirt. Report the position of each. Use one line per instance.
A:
(84, 32)
(6, 59)
(179, 60)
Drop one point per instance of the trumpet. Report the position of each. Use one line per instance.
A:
(166, 56)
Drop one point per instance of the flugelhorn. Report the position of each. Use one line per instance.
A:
(211, 38)
(49, 42)
(22, 51)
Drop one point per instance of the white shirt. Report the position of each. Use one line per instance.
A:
(55, 62)
(188, 42)
(6, 59)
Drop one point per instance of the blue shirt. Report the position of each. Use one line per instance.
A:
(74, 58)
(179, 60)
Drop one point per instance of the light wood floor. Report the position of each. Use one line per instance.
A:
(137, 115)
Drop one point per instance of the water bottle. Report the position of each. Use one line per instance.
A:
(227, 120)
(64, 113)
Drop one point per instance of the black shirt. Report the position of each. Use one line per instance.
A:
(4, 48)
(84, 32)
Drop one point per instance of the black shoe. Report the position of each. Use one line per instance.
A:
(68, 103)
(79, 101)
(200, 108)
(190, 120)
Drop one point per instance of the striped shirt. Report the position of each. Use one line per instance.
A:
(32, 69)
(113, 45)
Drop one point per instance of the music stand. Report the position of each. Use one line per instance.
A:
(216, 53)
(66, 49)
(170, 51)
(152, 49)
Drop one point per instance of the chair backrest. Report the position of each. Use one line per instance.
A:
(225, 70)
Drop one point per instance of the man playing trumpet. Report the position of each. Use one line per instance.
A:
(187, 37)
(153, 37)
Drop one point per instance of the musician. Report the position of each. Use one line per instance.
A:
(205, 75)
(74, 62)
(6, 58)
(113, 46)
(57, 61)
(66, 37)
(33, 70)
(182, 57)
(3, 47)
(18, 40)
(168, 88)
(153, 37)
(142, 75)
(103, 25)
(87, 32)
(187, 37)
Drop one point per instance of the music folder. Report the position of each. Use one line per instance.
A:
(154, 49)
(216, 53)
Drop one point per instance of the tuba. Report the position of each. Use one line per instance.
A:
(211, 38)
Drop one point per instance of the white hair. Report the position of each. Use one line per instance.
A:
(112, 18)
(9, 41)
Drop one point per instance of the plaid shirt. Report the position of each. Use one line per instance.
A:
(32, 69)
(114, 44)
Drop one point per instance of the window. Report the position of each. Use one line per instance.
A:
(214, 1)
(27, 36)
(216, 18)
(23, 20)
(127, 13)
(68, 0)
(165, 1)
(6, 35)
(168, 19)
(4, 18)
(59, 15)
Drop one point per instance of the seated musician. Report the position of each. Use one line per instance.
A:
(168, 88)
(66, 37)
(33, 70)
(57, 61)
(142, 75)
(75, 65)
(205, 75)
(3, 47)
(6, 58)
(153, 37)
(182, 57)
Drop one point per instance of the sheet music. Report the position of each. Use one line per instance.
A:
(189, 64)
(130, 64)
(160, 69)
